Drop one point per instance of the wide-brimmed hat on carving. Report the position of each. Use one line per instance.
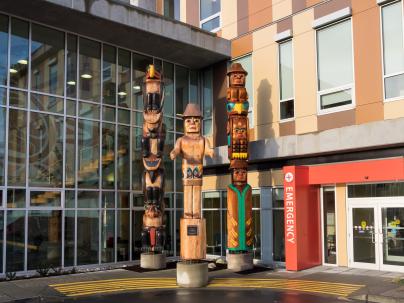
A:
(192, 110)
(236, 68)
(238, 164)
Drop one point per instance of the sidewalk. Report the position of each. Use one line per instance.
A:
(378, 286)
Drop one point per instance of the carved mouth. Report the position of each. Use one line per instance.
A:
(152, 163)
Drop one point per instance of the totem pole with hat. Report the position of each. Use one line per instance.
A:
(153, 232)
(192, 147)
(239, 192)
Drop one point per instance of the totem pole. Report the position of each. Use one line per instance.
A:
(192, 147)
(239, 192)
(153, 232)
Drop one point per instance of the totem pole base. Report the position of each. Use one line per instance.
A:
(193, 239)
(239, 262)
(192, 274)
(152, 261)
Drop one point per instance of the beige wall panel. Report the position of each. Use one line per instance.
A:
(277, 177)
(183, 10)
(305, 76)
(260, 13)
(193, 12)
(394, 109)
(281, 9)
(219, 182)
(229, 19)
(342, 248)
(266, 131)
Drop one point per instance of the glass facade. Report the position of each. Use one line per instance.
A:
(71, 115)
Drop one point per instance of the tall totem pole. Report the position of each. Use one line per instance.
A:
(192, 147)
(153, 232)
(239, 192)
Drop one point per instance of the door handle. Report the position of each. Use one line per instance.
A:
(373, 237)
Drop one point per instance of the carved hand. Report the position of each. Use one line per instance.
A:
(173, 154)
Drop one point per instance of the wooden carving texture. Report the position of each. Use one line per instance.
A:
(239, 193)
(153, 136)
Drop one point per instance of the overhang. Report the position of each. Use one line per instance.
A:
(119, 23)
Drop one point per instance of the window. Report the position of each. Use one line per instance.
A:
(329, 225)
(172, 9)
(335, 67)
(246, 62)
(287, 110)
(393, 50)
(210, 15)
(207, 101)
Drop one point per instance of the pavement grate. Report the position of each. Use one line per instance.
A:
(117, 285)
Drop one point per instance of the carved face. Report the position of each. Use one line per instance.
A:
(237, 79)
(240, 131)
(153, 86)
(239, 175)
(192, 125)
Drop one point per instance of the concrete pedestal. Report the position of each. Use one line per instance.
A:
(192, 274)
(240, 262)
(152, 261)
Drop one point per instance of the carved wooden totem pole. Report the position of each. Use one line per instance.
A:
(192, 147)
(153, 233)
(239, 192)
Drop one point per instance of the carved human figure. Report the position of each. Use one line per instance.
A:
(237, 96)
(192, 147)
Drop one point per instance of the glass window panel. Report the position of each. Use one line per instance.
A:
(3, 96)
(168, 73)
(19, 54)
(334, 56)
(2, 144)
(211, 24)
(168, 163)
(88, 110)
(178, 174)
(213, 232)
(44, 239)
(123, 157)
(207, 93)
(123, 234)
(46, 198)
(158, 64)
(137, 118)
(89, 70)
(181, 88)
(178, 215)
(16, 198)
(193, 86)
(17, 146)
(108, 155)
(169, 222)
(287, 109)
(256, 198)
(124, 78)
(70, 198)
(137, 163)
(207, 127)
(3, 49)
(169, 123)
(137, 225)
(179, 125)
(336, 99)
(376, 190)
(209, 8)
(109, 75)
(394, 86)
(15, 244)
(88, 154)
(71, 66)
(47, 103)
(179, 201)
(138, 200)
(107, 236)
(70, 165)
(87, 199)
(47, 60)
(70, 107)
(277, 198)
(108, 114)
(46, 150)
(256, 218)
(69, 237)
(87, 242)
(108, 199)
(140, 64)
(329, 226)
(1, 238)
(278, 228)
(393, 46)
(211, 200)
(123, 200)
(169, 200)
(286, 70)
(18, 98)
(123, 116)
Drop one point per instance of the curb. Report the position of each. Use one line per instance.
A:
(377, 299)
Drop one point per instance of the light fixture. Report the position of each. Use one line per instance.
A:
(137, 87)
(86, 76)
(71, 82)
(122, 93)
(13, 71)
(23, 61)
(86, 71)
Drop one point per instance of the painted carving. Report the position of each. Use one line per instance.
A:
(153, 233)
(239, 192)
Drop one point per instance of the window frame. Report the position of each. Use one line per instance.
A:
(384, 76)
(341, 88)
(290, 39)
(211, 17)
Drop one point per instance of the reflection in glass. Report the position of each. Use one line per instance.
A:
(69, 237)
(193, 86)
(108, 155)
(123, 200)
(137, 164)
(89, 110)
(169, 245)
(89, 70)
(70, 107)
(16, 198)
(46, 150)
(123, 234)
(3, 96)
(71, 66)
(393, 235)
(15, 235)
(213, 232)
(287, 109)
(168, 163)
(138, 200)
(169, 89)
(107, 236)
(108, 199)
(286, 70)
(108, 114)
(70, 166)
(209, 8)
(137, 224)
(179, 214)
(124, 116)
(87, 242)
(47, 60)
(363, 230)
(88, 154)
(123, 157)
(19, 53)
(47, 103)
(124, 78)
(70, 198)
(2, 143)
(46, 198)
(278, 228)
(3, 49)
(211, 200)
(330, 238)
(109, 75)
(140, 64)
(394, 86)
(207, 94)
(257, 234)
(181, 88)
(17, 146)
(18, 98)
(87, 199)
(44, 239)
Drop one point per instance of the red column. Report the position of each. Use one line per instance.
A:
(302, 219)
